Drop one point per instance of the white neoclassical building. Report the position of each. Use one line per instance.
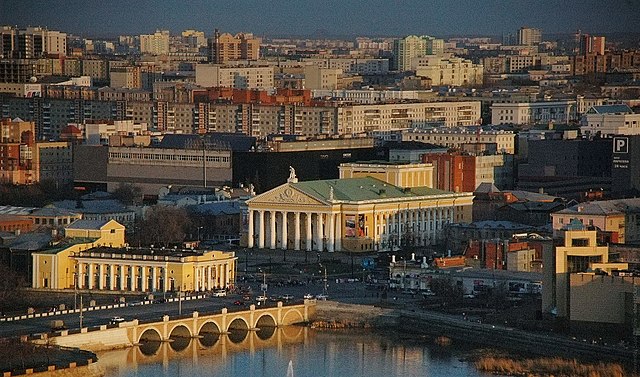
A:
(360, 213)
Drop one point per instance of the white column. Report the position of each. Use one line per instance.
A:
(261, 229)
(331, 235)
(165, 279)
(154, 279)
(143, 274)
(101, 276)
(338, 237)
(132, 276)
(92, 278)
(285, 234)
(320, 231)
(250, 234)
(308, 231)
(296, 231)
(123, 286)
(209, 280)
(112, 277)
(272, 229)
(80, 277)
(423, 227)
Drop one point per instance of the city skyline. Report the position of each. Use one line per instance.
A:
(438, 17)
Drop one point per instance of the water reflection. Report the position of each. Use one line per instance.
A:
(267, 351)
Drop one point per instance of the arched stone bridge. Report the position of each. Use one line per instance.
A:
(136, 332)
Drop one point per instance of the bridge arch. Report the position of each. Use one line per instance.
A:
(180, 331)
(292, 316)
(151, 334)
(238, 323)
(209, 327)
(266, 320)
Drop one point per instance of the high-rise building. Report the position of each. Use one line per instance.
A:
(407, 49)
(16, 152)
(31, 42)
(194, 38)
(156, 43)
(529, 36)
(226, 47)
(591, 45)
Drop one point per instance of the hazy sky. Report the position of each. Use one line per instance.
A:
(332, 17)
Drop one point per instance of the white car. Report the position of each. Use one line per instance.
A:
(287, 297)
(220, 293)
(261, 298)
(116, 320)
(308, 296)
(322, 297)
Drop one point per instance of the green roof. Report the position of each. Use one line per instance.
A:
(65, 244)
(361, 189)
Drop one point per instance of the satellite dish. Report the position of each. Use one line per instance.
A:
(33, 79)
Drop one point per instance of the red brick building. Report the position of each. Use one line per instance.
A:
(17, 144)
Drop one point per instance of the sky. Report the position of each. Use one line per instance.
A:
(101, 18)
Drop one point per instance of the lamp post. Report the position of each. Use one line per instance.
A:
(324, 290)
(75, 291)
(264, 283)
(200, 227)
(81, 316)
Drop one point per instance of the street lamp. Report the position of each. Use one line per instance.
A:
(200, 227)
(264, 283)
(324, 291)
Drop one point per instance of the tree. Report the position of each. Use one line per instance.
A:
(11, 284)
(128, 194)
(164, 226)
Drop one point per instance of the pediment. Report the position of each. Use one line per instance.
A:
(285, 194)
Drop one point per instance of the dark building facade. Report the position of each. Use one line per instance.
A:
(567, 168)
(625, 166)
(267, 170)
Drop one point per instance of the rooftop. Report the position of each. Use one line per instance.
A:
(88, 224)
(604, 207)
(362, 189)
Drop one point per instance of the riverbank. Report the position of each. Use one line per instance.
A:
(456, 328)
(19, 357)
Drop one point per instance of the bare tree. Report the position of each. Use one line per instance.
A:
(11, 283)
(164, 226)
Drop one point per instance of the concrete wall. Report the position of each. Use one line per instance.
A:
(596, 298)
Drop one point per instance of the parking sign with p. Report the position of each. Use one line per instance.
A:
(620, 145)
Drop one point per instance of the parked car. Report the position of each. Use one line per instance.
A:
(261, 298)
(220, 293)
(322, 297)
(308, 296)
(238, 303)
(116, 320)
(287, 297)
(57, 325)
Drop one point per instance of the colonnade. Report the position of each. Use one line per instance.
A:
(147, 278)
(311, 231)
(320, 231)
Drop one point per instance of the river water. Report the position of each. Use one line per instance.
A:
(268, 353)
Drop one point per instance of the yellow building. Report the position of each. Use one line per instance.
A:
(361, 213)
(578, 255)
(94, 255)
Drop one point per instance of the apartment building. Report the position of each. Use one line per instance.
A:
(156, 43)
(610, 120)
(501, 141)
(524, 113)
(226, 47)
(240, 77)
(17, 152)
(359, 66)
(449, 71)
